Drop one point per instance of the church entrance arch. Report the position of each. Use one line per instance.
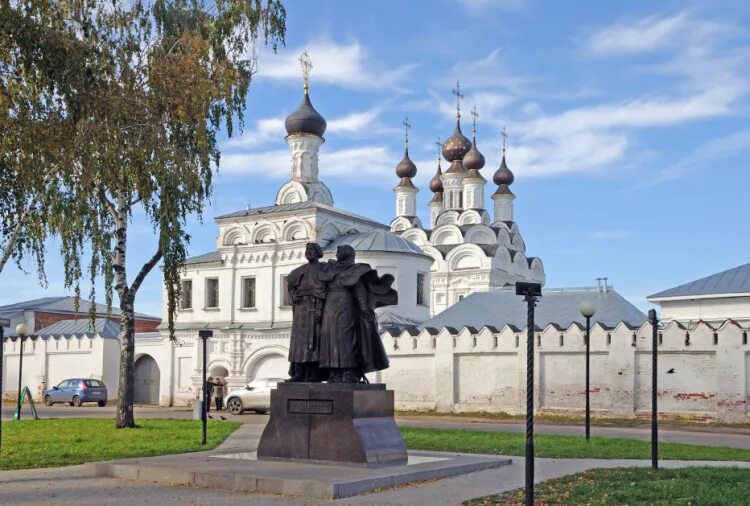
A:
(271, 364)
(146, 378)
(218, 371)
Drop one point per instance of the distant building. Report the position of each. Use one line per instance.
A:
(40, 313)
(557, 306)
(63, 342)
(715, 298)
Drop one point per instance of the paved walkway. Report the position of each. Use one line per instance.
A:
(75, 485)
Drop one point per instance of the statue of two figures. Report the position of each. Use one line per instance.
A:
(334, 329)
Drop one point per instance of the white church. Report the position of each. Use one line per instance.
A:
(239, 290)
(456, 338)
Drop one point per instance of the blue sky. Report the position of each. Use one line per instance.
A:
(627, 123)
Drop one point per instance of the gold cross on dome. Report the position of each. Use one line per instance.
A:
(407, 126)
(459, 97)
(504, 133)
(307, 65)
(439, 148)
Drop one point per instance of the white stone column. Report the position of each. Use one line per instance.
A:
(444, 372)
(304, 149)
(503, 206)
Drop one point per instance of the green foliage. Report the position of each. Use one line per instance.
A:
(112, 107)
(705, 486)
(67, 441)
(559, 446)
(115, 105)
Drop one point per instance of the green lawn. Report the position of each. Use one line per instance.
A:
(66, 441)
(551, 445)
(705, 486)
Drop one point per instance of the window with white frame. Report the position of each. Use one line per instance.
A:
(285, 299)
(186, 294)
(248, 292)
(212, 293)
(421, 289)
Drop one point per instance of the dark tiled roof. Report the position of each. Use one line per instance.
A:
(106, 329)
(205, 258)
(376, 240)
(736, 280)
(65, 304)
(297, 206)
(562, 307)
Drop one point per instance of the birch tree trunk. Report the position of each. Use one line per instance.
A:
(125, 416)
(126, 387)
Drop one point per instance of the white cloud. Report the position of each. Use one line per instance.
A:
(266, 130)
(480, 6)
(362, 124)
(645, 35)
(610, 234)
(710, 152)
(346, 65)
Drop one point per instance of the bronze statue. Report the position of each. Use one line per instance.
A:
(334, 330)
(307, 287)
(350, 346)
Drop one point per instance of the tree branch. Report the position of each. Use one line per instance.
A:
(109, 205)
(145, 270)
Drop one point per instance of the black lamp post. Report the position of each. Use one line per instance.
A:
(588, 309)
(530, 292)
(21, 331)
(204, 335)
(654, 412)
(3, 323)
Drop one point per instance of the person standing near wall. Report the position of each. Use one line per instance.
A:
(208, 393)
(219, 388)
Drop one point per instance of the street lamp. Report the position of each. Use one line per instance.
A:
(530, 292)
(204, 335)
(588, 309)
(21, 331)
(652, 318)
(3, 323)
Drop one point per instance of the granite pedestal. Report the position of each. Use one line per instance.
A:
(347, 423)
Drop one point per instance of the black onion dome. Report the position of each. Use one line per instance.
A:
(406, 167)
(457, 145)
(474, 160)
(305, 120)
(503, 175)
(436, 184)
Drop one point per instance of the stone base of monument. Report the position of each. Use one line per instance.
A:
(332, 423)
(239, 471)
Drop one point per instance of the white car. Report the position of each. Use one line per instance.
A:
(256, 396)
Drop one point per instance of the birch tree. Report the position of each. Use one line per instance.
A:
(163, 78)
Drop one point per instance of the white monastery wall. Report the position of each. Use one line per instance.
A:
(46, 362)
(704, 372)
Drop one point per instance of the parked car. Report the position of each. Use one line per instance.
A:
(256, 396)
(76, 391)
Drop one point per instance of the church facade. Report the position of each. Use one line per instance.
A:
(472, 249)
(239, 290)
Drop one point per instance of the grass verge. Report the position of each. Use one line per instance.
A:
(61, 442)
(559, 446)
(676, 422)
(707, 486)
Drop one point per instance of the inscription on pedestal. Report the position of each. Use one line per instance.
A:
(309, 407)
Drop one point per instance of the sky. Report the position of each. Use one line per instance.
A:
(627, 128)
